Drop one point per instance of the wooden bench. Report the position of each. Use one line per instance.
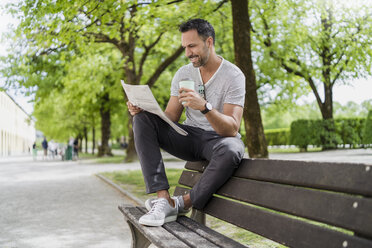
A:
(295, 203)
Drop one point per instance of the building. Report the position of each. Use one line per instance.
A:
(17, 129)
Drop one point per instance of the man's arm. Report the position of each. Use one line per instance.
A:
(225, 124)
(228, 122)
(174, 109)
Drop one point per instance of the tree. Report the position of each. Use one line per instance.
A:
(256, 142)
(317, 42)
(141, 31)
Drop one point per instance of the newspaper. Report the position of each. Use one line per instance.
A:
(142, 97)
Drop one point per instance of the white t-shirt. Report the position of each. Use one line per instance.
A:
(227, 85)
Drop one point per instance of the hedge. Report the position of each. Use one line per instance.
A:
(328, 134)
(367, 132)
(276, 137)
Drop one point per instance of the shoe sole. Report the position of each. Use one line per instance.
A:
(159, 222)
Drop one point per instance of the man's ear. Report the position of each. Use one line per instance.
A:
(210, 41)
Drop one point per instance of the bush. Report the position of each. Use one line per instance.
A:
(277, 137)
(350, 131)
(367, 130)
(327, 134)
(329, 138)
(299, 134)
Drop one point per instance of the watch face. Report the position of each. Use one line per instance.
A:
(208, 106)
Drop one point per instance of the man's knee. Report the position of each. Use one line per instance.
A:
(229, 149)
(140, 121)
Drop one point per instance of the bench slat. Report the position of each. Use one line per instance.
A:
(349, 212)
(346, 211)
(287, 231)
(185, 231)
(156, 235)
(341, 177)
(188, 236)
(322, 175)
(213, 236)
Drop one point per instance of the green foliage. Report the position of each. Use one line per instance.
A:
(281, 116)
(300, 135)
(350, 131)
(328, 134)
(302, 45)
(73, 54)
(367, 132)
(280, 136)
(325, 135)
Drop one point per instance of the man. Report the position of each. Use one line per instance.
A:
(44, 144)
(213, 114)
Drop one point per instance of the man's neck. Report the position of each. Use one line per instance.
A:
(212, 65)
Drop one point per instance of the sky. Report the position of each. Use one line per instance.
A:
(357, 90)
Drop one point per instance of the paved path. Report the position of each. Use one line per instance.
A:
(62, 204)
(341, 155)
(59, 204)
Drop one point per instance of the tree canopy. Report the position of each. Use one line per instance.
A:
(72, 55)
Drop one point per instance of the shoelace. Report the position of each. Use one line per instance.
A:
(158, 206)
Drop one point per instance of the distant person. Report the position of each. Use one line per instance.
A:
(44, 144)
(76, 149)
(34, 151)
(123, 143)
(52, 148)
(70, 145)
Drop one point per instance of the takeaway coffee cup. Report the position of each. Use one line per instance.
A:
(188, 84)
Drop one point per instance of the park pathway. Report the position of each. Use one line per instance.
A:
(59, 204)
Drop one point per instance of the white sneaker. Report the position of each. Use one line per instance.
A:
(178, 200)
(160, 213)
(181, 205)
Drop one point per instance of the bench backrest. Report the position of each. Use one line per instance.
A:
(295, 203)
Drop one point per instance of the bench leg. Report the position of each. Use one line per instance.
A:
(138, 239)
(198, 216)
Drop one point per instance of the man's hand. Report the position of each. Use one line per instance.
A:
(191, 99)
(133, 110)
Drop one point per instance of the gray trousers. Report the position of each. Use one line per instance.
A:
(152, 133)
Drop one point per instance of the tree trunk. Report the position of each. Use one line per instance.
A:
(256, 142)
(105, 149)
(93, 138)
(327, 106)
(86, 139)
(131, 154)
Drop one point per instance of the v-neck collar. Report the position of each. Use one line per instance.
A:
(214, 75)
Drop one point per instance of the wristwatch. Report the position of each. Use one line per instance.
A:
(208, 107)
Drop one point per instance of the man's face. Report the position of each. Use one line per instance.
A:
(196, 49)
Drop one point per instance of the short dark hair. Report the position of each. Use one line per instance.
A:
(203, 27)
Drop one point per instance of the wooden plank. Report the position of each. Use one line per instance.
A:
(341, 177)
(181, 191)
(197, 166)
(346, 211)
(206, 232)
(282, 229)
(189, 178)
(188, 236)
(157, 235)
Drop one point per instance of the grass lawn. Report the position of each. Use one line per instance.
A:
(293, 150)
(115, 159)
(133, 181)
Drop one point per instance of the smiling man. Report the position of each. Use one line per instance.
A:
(213, 115)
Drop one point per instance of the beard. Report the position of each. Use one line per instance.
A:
(202, 59)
